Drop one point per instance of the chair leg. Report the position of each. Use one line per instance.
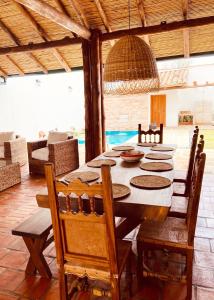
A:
(115, 290)
(63, 287)
(139, 263)
(189, 262)
(129, 273)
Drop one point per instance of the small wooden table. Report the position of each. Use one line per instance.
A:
(35, 232)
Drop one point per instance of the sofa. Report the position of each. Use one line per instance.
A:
(13, 148)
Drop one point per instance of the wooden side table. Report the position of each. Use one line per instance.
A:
(10, 174)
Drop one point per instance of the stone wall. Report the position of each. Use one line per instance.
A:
(126, 112)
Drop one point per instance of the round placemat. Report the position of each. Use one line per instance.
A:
(112, 154)
(156, 166)
(97, 163)
(119, 191)
(158, 156)
(162, 148)
(84, 176)
(146, 144)
(150, 182)
(123, 148)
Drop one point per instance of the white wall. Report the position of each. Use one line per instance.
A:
(42, 102)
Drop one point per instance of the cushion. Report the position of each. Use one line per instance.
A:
(6, 136)
(1, 151)
(57, 136)
(41, 154)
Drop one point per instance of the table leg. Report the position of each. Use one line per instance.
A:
(126, 226)
(37, 260)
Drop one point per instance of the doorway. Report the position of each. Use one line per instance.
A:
(158, 109)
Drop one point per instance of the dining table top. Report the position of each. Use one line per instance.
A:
(123, 171)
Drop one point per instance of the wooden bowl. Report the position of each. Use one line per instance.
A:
(132, 156)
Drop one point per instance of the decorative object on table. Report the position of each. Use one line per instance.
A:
(162, 148)
(123, 148)
(150, 136)
(150, 182)
(119, 191)
(158, 156)
(112, 154)
(131, 156)
(146, 144)
(97, 163)
(84, 176)
(130, 66)
(156, 166)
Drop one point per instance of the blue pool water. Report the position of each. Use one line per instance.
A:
(115, 137)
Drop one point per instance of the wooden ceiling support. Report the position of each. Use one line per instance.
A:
(141, 10)
(40, 46)
(16, 41)
(19, 70)
(92, 66)
(185, 9)
(79, 12)
(159, 28)
(3, 73)
(42, 33)
(47, 11)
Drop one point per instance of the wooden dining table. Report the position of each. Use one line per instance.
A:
(140, 204)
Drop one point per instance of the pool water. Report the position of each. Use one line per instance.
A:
(115, 137)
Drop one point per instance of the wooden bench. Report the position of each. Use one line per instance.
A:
(35, 232)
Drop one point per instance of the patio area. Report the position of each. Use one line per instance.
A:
(18, 203)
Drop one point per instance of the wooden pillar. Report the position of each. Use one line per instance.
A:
(94, 115)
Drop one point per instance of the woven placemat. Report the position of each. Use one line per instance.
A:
(84, 176)
(150, 182)
(123, 148)
(156, 166)
(119, 191)
(97, 163)
(158, 156)
(112, 154)
(146, 144)
(162, 148)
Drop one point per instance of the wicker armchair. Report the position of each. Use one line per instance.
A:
(64, 156)
(14, 150)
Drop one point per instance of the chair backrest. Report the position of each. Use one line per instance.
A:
(150, 136)
(195, 191)
(83, 236)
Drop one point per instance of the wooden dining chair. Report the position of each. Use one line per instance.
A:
(165, 250)
(150, 136)
(85, 240)
(180, 201)
(187, 180)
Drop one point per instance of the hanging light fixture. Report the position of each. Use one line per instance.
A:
(130, 67)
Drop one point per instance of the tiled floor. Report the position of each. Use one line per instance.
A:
(18, 202)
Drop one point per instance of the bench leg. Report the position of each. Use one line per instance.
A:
(37, 260)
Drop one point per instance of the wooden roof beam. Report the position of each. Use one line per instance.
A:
(79, 12)
(40, 46)
(185, 9)
(141, 10)
(56, 16)
(42, 33)
(159, 28)
(19, 70)
(3, 73)
(16, 41)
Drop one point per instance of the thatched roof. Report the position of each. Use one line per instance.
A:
(20, 25)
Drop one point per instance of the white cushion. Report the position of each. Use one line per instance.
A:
(41, 154)
(6, 136)
(56, 136)
(1, 151)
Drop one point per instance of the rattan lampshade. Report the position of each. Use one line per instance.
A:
(130, 68)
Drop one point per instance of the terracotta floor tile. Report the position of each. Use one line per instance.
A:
(203, 276)
(203, 259)
(15, 260)
(6, 296)
(10, 279)
(205, 294)
(202, 244)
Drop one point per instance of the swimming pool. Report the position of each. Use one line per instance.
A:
(116, 137)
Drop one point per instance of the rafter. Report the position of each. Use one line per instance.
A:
(17, 42)
(4, 74)
(42, 33)
(185, 10)
(19, 70)
(49, 12)
(159, 28)
(79, 12)
(141, 10)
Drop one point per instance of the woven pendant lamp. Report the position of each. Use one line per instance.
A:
(130, 68)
